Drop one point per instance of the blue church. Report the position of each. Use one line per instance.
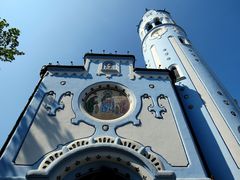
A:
(108, 119)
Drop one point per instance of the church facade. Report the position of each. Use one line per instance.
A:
(108, 119)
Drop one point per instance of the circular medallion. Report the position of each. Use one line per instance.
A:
(106, 102)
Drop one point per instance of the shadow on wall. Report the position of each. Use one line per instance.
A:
(205, 139)
(22, 124)
(45, 135)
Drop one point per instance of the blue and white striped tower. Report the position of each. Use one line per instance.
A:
(212, 113)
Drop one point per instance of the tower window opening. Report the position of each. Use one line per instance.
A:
(184, 41)
(181, 40)
(177, 73)
(157, 21)
(148, 27)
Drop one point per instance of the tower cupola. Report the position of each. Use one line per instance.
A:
(152, 19)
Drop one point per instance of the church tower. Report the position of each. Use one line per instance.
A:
(211, 111)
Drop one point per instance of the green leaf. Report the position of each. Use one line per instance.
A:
(8, 42)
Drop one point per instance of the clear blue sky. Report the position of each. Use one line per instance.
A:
(63, 31)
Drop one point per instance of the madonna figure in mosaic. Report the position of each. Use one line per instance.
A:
(107, 102)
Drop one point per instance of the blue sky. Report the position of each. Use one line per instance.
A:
(63, 31)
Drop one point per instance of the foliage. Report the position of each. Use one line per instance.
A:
(8, 42)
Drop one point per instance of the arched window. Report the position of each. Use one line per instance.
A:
(177, 72)
(148, 27)
(157, 21)
(184, 41)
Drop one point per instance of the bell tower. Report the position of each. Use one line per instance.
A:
(211, 111)
(155, 23)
